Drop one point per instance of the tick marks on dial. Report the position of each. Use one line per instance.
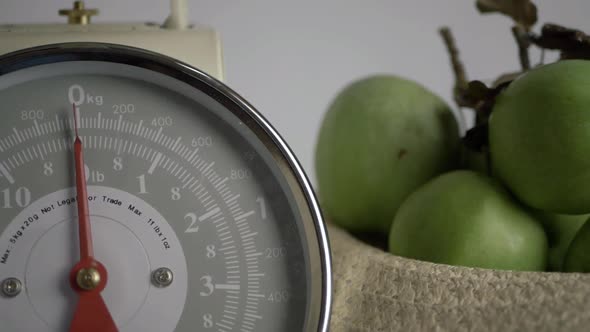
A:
(155, 163)
(158, 135)
(209, 214)
(173, 148)
(17, 134)
(6, 175)
(227, 287)
(119, 123)
(245, 236)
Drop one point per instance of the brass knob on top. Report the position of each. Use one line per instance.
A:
(78, 14)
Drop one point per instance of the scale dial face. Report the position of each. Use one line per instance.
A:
(198, 210)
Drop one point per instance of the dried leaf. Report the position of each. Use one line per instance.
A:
(477, 90)
(557, 37)
(523, 12)
(473, 95)
(572, 43)
(578, 55)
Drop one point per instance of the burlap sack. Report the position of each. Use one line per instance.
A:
(376, 291)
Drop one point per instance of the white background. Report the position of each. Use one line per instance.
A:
(289, 58)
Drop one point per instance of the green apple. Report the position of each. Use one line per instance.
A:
(577, 258)
(539, 135)
(381, 138)
(560, 230)
(468, 219)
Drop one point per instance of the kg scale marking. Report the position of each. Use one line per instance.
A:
(141, 194)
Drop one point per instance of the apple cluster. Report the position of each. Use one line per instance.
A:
(389, 160)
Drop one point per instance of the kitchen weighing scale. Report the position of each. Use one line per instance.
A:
(139, 193)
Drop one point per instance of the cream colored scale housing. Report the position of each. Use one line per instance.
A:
(198, 46)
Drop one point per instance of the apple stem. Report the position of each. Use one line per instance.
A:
(523, 43)
(461, 82)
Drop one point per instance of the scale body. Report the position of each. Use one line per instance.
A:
(199, 211)
(199, 47)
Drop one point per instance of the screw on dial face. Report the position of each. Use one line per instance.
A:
(11, 287)
(162, 277)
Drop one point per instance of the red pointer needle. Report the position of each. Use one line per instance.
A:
(89, 276)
